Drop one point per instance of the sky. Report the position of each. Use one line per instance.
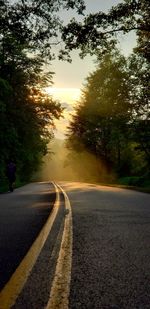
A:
(70, 77)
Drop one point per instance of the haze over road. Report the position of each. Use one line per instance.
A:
(110, 249)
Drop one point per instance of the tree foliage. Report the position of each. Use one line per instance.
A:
(140, 96)
(108, 117)
(99, 31)
(36, 24)
(121, 138)
(28, 29)
(27, 115)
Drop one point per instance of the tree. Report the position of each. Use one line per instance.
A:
(28, 30)
(35, 24)
(26, 116)
(99, 31)
(100, 123)
(139, 78)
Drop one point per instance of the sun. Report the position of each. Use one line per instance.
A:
(69, 95)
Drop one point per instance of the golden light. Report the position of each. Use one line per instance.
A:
(68, 98)
(68, 95)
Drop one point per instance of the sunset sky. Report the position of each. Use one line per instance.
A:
(68, 98)
(69, 77)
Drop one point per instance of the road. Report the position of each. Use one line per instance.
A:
(110, 249)
(22, 215)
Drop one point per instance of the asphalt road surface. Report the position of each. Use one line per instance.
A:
(22, 215)
(110, 249)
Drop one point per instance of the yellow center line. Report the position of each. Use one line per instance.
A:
(12, 289)
(59, 294)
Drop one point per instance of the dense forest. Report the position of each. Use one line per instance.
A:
(112, 120)
(28, 29)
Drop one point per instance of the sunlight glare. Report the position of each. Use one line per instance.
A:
(69, 95)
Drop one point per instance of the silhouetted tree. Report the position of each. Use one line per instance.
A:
(99, 31)
(101, 120)
(28, 30)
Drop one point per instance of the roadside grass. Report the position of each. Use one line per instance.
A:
(137, 183)
(141, 183)
(135, 188)
(4, 187)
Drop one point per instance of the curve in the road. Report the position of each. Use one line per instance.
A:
(12, 289)
(59, 295)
